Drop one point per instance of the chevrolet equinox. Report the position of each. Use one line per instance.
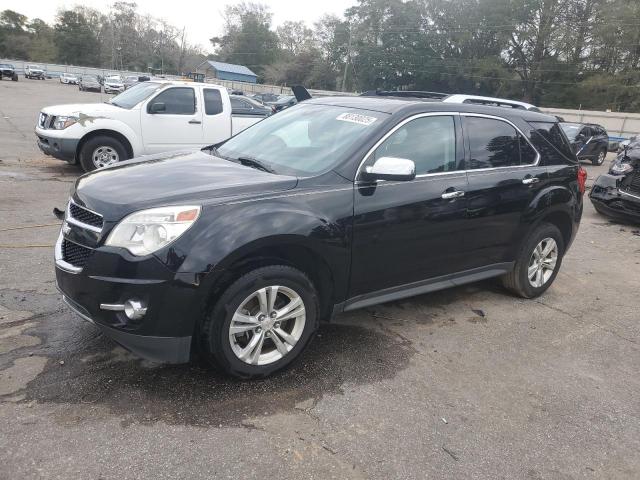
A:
(238, 250)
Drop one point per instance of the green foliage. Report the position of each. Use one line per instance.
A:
(75, 39)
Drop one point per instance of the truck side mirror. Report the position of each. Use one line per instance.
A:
(157, 107)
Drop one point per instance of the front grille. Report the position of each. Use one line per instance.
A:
(85, 216)
(46, 121)
(75, 254)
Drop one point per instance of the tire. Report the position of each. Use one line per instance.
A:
(517, 281)
(112, 148)
(14, 78)
(599, 160)
(223, 350)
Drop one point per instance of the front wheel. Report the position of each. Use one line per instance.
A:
(538, 262)
(262, 322)
(101, 151)
(599, 160)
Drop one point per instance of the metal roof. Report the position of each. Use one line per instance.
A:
(231, 68)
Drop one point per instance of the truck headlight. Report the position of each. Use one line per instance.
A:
(146, 231)
(63, 122)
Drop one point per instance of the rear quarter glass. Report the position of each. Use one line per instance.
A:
(552, 143)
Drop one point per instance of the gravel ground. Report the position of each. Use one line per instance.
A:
(422, 388)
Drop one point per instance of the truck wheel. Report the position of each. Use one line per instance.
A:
(14, 78)
(101, 151)
(538, 262)
(599, 160)
(261, 323)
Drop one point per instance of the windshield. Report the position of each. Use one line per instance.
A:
(303, 140)
(133, 96)
(571, 130)
(90, 78)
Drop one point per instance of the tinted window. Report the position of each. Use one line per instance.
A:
(177, 101)
(492, 143)
(528, 155)
(237, 103)
(552, 143)
(429, 141)
(212, 101)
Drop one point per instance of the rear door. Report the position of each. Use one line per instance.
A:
(216, 122)
(504, 176)
(178, 126)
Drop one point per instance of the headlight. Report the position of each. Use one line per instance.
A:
(621, 168)
(63, 122)
(146, 231)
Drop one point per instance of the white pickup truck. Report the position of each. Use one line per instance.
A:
(150, 117)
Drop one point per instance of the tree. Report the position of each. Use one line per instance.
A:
(248, 39)
(75, 39)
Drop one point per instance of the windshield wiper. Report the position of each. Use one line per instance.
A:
(252, 162)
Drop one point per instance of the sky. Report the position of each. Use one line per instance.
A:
(202, 20)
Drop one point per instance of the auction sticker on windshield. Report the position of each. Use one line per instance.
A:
(356, 118)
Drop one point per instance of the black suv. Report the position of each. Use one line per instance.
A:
(8, 71)
(240, 249)
(588, 140)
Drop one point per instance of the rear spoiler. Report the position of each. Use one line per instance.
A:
(300, 93)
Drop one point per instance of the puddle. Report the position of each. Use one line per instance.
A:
(96, 372)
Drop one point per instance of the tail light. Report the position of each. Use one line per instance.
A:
(582, 179)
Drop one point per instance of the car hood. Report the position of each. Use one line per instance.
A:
(171, 179)
(89, 109)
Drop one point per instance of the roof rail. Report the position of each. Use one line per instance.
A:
(404, 94)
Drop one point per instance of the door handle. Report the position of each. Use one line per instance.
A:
(530, 180)
(454, 194)
(195, 122)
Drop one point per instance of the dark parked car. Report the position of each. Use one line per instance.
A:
(89, 83)
(265, 97)
(240, 249)
(617, 193)
(8, 71)
(241, 105)
(282, 103)
(589, 141)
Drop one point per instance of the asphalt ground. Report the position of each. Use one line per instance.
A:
(464, 383)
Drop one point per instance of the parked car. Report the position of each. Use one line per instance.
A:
(617, 193)
(69, 78)
(265, 97)
(242, 106)
(150, 117)
(8, 71)
(282, 103)
(589, 141)
(89, 83)
(239, 249)
(34, 72)
(113, 84)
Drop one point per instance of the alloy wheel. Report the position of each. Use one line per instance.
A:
(267, 325)
(601, 157)
(103, 156)
(543, 262)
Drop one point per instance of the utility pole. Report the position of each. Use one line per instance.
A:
(346, 63)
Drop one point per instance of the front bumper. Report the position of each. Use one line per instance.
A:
(60, 148)
(113, 89)
(609, 199)
(111, 276)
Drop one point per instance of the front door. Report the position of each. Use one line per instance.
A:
(174, 123)
(504, 177)
(406, 232)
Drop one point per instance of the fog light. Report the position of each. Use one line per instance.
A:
(134, 309)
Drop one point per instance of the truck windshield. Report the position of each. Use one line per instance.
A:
(130, 98)
(304, 140)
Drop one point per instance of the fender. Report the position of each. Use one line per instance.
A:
(100, 123)
(320, 223)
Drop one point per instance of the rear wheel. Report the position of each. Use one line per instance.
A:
(538, 262)
(262, 322)
(599, 160)
(101, 151)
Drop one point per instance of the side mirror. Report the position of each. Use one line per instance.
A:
(157, 107)
(391, 168)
